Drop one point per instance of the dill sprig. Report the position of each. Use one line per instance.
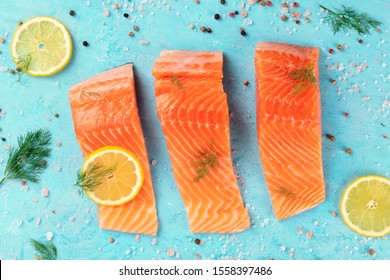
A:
(23, 64)
(85, 94)
(28, 160)
(44, 251)
(286, 192)
(90, 179)
(304, 77)
(176, 81)
(347, 18)
(208, 159)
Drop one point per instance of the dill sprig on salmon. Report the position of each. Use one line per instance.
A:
(176, 81)
(208, 159)
(304, 78)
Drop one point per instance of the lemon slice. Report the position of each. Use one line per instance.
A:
(41, 46)
(123, 180)
(365, 206)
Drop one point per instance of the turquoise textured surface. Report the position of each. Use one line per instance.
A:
(363, 90)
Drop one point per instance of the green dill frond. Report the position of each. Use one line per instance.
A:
(28, 160)
(23, 64)
(286, 192)
(85, 94)
(176, 81)
(304, 78)
(347, 18)
(207, 160)
(90, 179)
(44, 251)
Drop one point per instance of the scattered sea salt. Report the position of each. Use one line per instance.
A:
(49, 236)
(248, 21)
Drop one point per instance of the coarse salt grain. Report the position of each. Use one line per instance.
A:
(49, 236)
(170, 252)
(144, 42)
(248, 21)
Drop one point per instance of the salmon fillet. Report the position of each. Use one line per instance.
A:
(289, 128)
(193, 111)
(105, 113)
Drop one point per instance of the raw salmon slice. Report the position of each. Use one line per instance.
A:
(193, 111)
(105, 113)
(289, 128)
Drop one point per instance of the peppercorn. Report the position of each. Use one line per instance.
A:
(18, 69)
(297, 21)
(2, 40)
(44, 162)
(330, 137)
(371, 252)
(208, 29)
(295, 4)
(346, 115)
(231, 14)
(307, 19)
(56, 115)
(111, 240)
(3, 139)
(339, 47)
(243, 33)
(223, 2)
(360, 41)
(246, 82)
(197, 241)
(85, 44)
(23, 182)
(269, 3)
(217, 16)
(262, 3)
(284, 5)
(72, 13)
(12, 71)
(331, 51)
(378, 30)
(203, 29)
(334, 214)
(136, 28)
(131, 34)
(126, 15)
(236, 12)
(348, 151)
(333, 82)
(241, 28)
(283, 17)
(20, 22)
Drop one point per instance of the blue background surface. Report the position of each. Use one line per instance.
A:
(31, 104)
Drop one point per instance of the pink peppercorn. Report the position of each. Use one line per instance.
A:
(331, 51)
(269, 3)
(231, 14)
(295, 4)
